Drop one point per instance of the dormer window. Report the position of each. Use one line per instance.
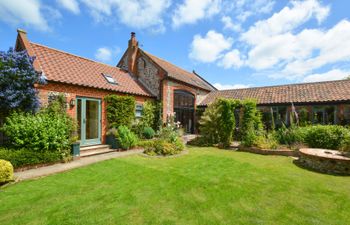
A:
(109, 78)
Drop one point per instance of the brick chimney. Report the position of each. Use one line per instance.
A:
(132, 53)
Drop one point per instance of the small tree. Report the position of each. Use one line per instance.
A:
(251, 126)
(120, 110)
(17, 79)
(209, 123)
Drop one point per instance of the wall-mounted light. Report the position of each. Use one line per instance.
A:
(72, 102)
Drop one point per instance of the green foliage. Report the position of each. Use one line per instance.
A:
(6, 171)
(268, 141)
(200, 141)
(226, 120)
(120, 110)
(303, 116)
(126, 138)
(290, 136)
(209, 123)
(26, 157)
(148, 133)
(251, 126)
(150, 115)
(163, 147)
(326, 136)
(42, 131)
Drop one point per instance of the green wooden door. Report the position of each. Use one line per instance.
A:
(89, 120)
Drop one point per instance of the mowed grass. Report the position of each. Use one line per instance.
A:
(206, 186)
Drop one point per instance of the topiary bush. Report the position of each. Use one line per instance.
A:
(6, 171)
(126, 138)
(148, 133)
(120, 110)
(26, 157)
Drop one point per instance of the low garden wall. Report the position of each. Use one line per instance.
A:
(325, 161)
(283, 152)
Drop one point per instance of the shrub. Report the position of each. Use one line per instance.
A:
(267, 142)
(290, 136)
(27, 157)
(148, 133)
(163, 147)
(17, 79)
(6, 171)
(199, 141)
(226, 120)
(168, 133)
(151, 115)
(126, 138)
(209, 123)
(326, 136)
(251, 126)
(120, 110)
(42, 131)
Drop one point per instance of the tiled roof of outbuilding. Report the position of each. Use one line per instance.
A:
(64, 67)
(181, 74)
(318, 92)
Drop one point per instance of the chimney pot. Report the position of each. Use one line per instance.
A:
(132, 34)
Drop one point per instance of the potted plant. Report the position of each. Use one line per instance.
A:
(111, 138)
(75, 150)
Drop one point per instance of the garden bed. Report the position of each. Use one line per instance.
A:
(184, 152)
(256, 150)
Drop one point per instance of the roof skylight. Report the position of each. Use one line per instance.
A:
(109, 79)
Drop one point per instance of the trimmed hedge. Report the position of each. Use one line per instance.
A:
(26, 157)
(120, 110)
(6, 171)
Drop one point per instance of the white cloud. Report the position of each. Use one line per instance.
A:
(230, 86)
(330, 75)
(105, 54)
(231, 59)
(229, 25)
(209, 48)
(71, 5)
(28, 13)
(133, 13)
(286, 20)
(191, 11)
(333, 46)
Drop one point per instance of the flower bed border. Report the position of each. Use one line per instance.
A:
(282, 152)
(184, 152)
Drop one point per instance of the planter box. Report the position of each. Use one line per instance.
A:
(112, 141)
(76, 149)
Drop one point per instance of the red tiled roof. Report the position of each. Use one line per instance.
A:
(181, 74)
(329, 91)
(63, 67)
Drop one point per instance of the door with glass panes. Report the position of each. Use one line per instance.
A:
(89, 120)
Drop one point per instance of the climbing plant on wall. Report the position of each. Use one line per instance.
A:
(120, 110)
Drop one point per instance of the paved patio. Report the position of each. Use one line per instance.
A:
(61, 167)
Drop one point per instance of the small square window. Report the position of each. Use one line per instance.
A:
(109, 79)
(138, 111)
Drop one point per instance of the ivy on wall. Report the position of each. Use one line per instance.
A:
(120, 110)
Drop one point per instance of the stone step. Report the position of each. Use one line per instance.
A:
(94, 150)
(87, 153)
(93, 147)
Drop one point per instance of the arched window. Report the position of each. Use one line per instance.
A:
(184, 109)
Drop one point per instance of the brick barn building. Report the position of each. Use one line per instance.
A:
(85, 83)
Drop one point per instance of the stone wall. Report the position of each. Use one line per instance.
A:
(148, 75)
(319, 160)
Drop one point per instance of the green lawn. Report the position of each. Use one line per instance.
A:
(206, 186)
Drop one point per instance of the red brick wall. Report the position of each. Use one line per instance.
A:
(73, 91)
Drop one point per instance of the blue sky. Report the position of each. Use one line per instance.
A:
(232, 44)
